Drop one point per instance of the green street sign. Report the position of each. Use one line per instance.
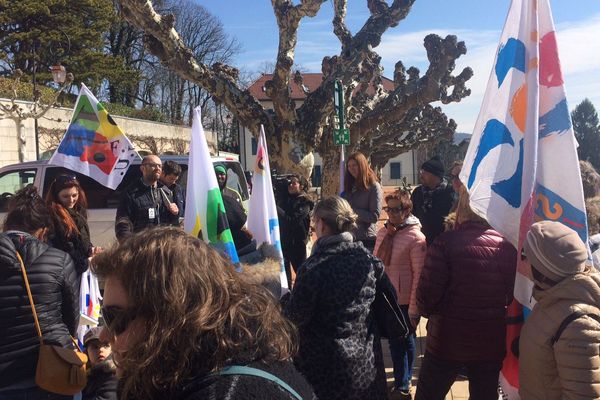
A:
(341, 135)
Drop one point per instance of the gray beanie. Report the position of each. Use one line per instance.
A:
(555, 250)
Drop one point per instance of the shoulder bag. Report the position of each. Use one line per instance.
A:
(59, 370)
(390, 319)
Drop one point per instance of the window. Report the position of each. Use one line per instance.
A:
(395, 170)
(315, 178)
(254, 146)
(13, 181)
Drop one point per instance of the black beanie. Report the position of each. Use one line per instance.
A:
(435, 166)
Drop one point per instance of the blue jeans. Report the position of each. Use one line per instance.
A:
(403, 352)
(33, 393)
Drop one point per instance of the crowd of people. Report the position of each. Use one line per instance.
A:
(178, 321)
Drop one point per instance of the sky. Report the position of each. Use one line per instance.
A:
(476, 22)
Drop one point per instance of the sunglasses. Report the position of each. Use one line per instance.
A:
(62, 179)
(117, 319)
(153, 165)
(393, 210)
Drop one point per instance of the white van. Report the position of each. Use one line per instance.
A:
(102, 201)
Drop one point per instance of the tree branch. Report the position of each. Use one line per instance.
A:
(164, 42)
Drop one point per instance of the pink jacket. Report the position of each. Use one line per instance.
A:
(408, 257)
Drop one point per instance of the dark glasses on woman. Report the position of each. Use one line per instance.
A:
(117, 319)
(393, 210)
(62, 179)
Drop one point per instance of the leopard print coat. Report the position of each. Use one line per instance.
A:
(340, 351)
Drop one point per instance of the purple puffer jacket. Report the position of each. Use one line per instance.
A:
(465, 286)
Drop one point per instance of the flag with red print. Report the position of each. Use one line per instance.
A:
(93, 144)
(263, 221)
(522, 165)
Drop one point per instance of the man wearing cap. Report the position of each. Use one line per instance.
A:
(221, 173)
(236, 214)
(559, 348)
(433, 199)
(102, 379)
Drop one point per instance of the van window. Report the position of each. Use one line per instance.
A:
(236, 179)
(13, 181)
(98, 196)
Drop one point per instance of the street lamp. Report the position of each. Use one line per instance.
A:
(59, 73)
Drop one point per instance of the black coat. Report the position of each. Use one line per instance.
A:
(102, 382)
(431, 214)
(340, 350)
(236, 218)
(136, 200)
(234, 387)
(55, 289)
(294, 221)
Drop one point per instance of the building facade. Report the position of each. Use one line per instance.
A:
(404, 165)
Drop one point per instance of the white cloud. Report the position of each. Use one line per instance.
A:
(579, 51)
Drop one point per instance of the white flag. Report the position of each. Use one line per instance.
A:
(262, 211)
(522, 165)
(204, 210)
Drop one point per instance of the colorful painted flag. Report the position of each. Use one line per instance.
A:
(205, 216)
(262, 211)
(522, 165)
(94, 145)
(342, 169)
(89, 304)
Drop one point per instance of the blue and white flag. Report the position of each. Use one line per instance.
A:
(522, 165)
(262, 211)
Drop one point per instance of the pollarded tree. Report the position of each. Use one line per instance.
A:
(382, 123)
(587, 132)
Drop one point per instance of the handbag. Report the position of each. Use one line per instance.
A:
(391, 320)
(59, 370)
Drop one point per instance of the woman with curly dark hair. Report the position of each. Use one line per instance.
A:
(183, 324)
(71, 233)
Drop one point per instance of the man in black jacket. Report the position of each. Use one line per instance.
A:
(147, 202)
(433, 199)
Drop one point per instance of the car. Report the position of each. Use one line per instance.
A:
(102, 201)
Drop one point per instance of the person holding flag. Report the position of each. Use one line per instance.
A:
(558, 348)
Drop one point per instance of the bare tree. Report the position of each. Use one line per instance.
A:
(380, 122)
(203, 34)
(20, 113)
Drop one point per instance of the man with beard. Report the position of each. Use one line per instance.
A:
(147, 202)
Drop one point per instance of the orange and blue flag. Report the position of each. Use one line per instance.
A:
(522, 164)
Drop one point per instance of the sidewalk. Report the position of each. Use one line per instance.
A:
(460, 389)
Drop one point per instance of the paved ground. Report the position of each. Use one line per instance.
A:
(460, 389)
